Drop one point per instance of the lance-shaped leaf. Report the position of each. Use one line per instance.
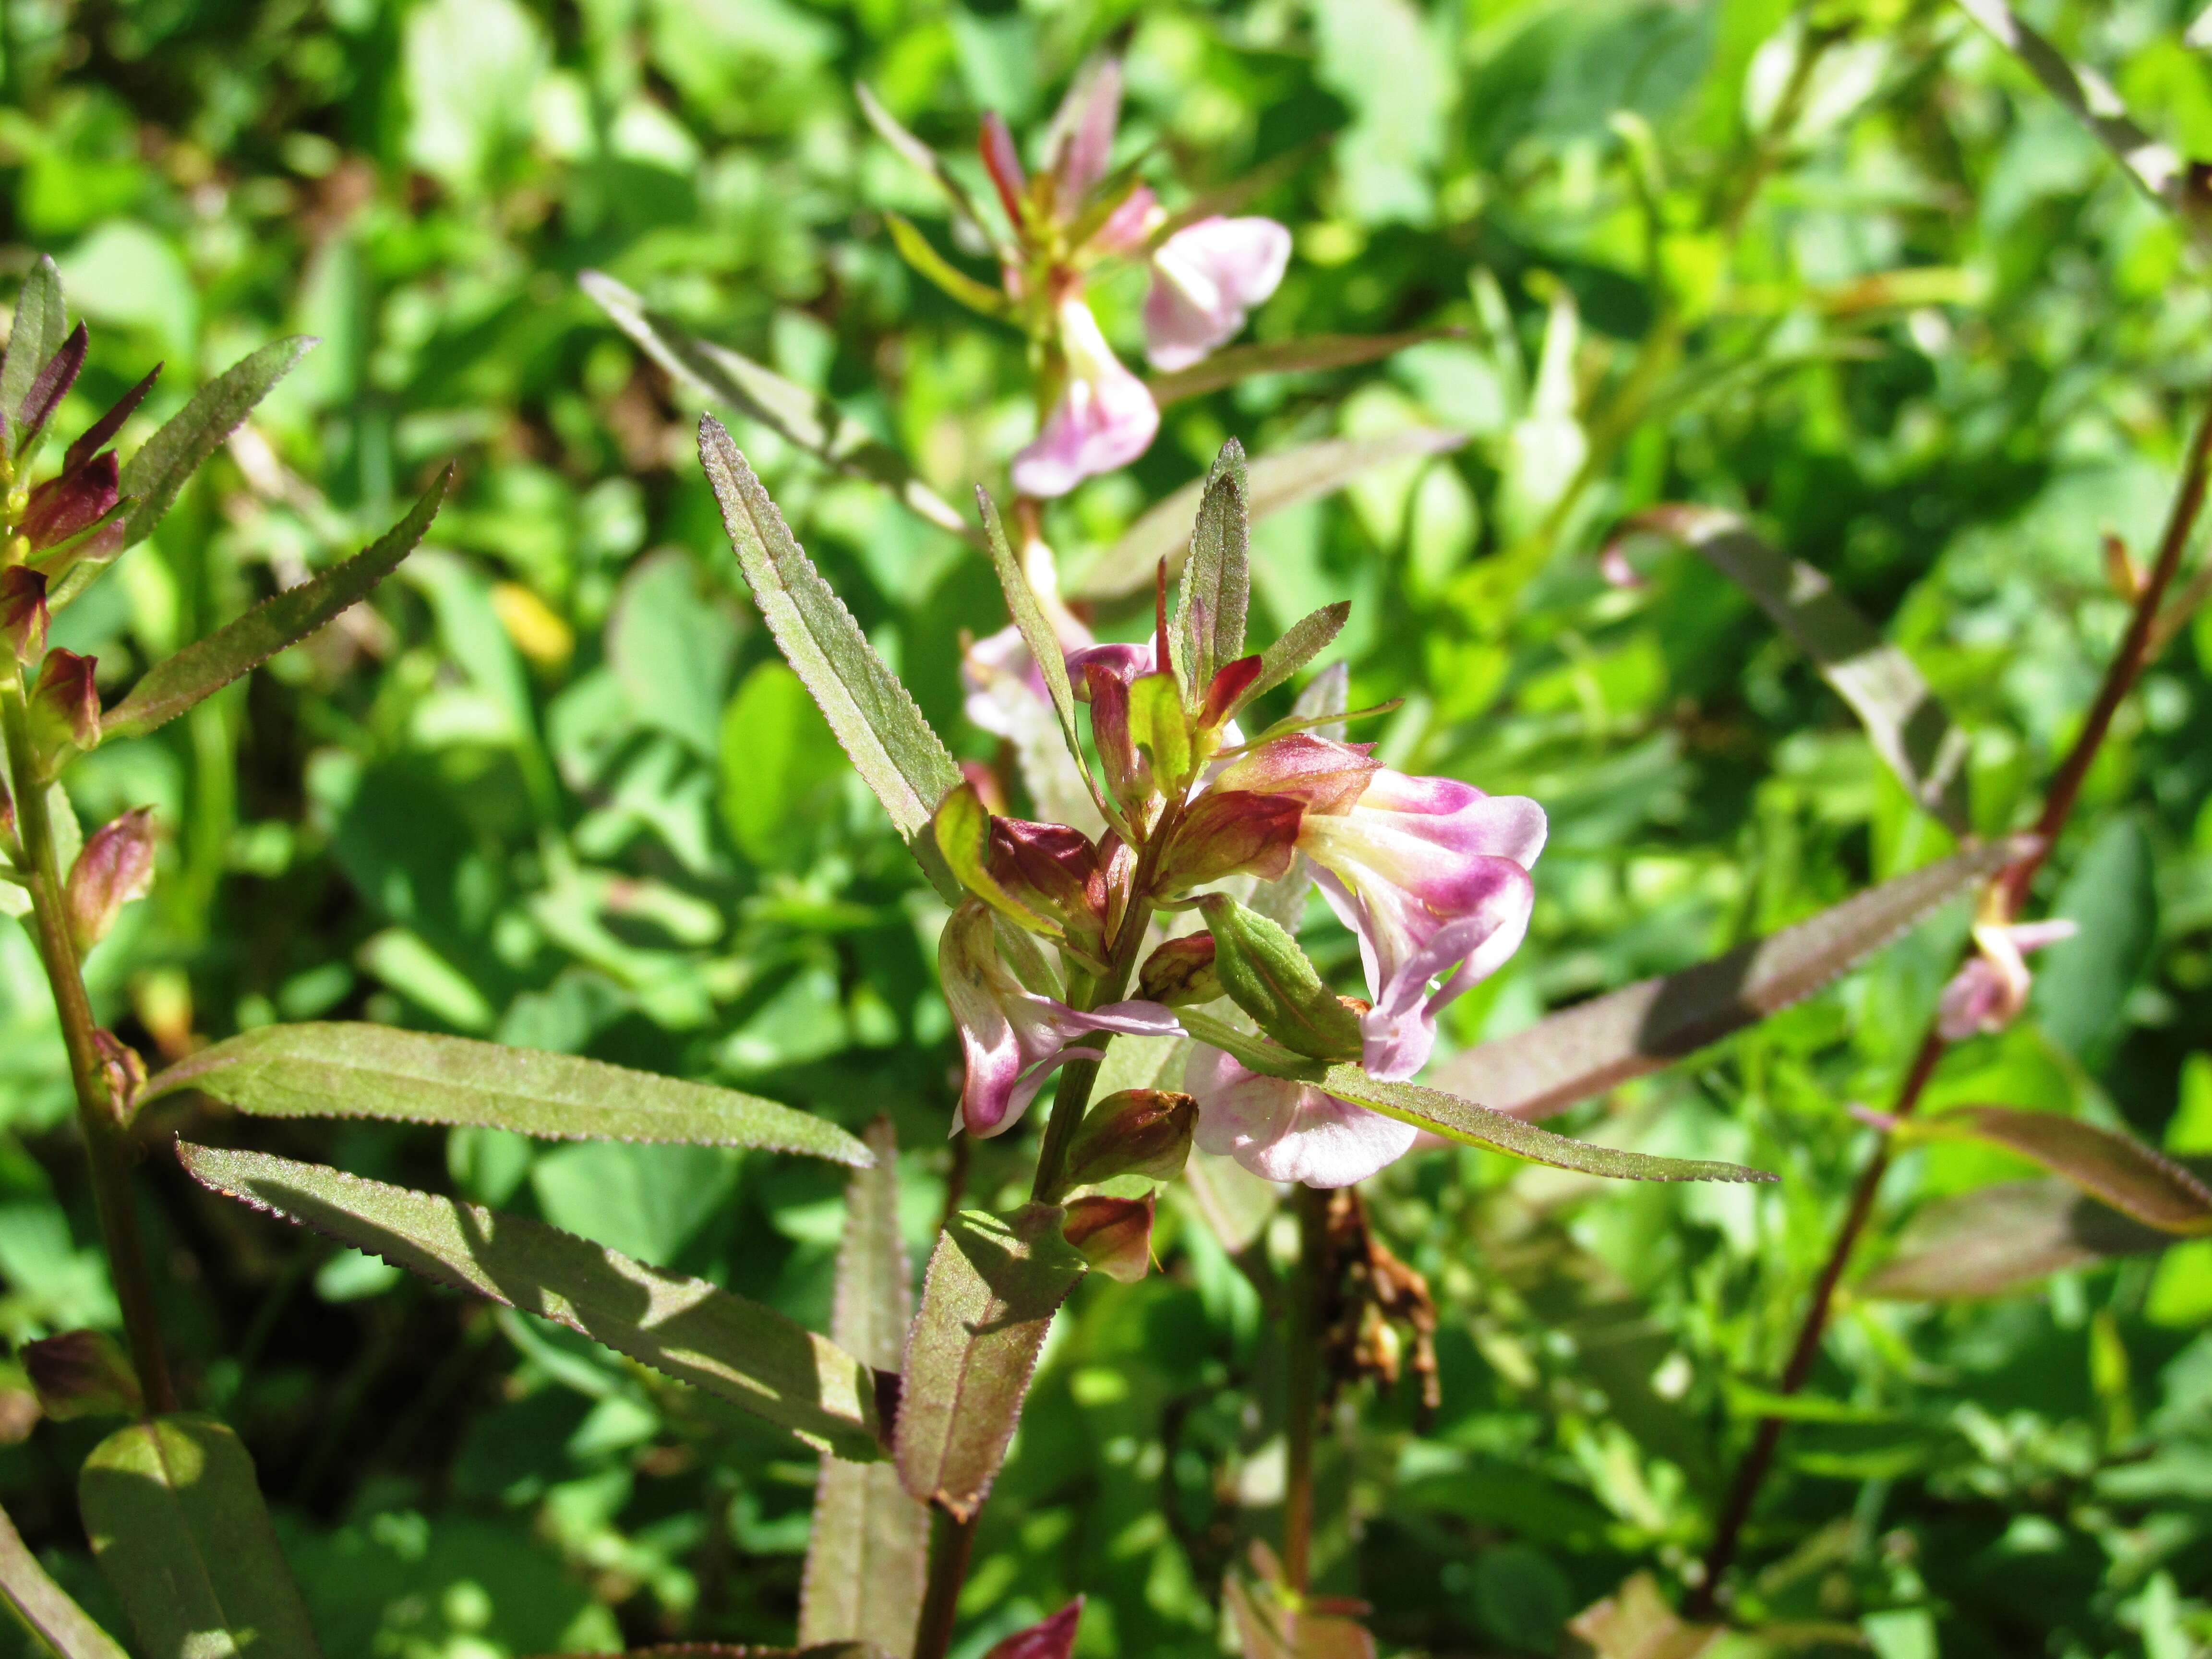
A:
(41, 325)
(153, 477)
(994, 1286)
(2154, 167)
(1217, 579)
(928, 161)
(178, 1524)
(1275, 482)
(1296, 646)
(1478, 1126)
(737, 1350)
(2137, 1181)
(1306, 352)
(208, 665)
(347, 1070)
(873, 716)
(1590, 1047)
(915, 249)
(45, 1606)
(1994, 1238)
(867, 1556)
(1908, 727)
(803, 419)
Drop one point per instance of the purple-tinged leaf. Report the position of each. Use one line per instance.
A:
(2133, 1178)
(1053, 1639)
(206, 665)
(1307, 353)
(48, 388)
(1996, 1238)
(41, 325)
(1217, 577)
(867, 1556)
(994, 1285)
(1594, 1046)
(154, 475)
(45, 1606)
(89, 441)
(751, 1356)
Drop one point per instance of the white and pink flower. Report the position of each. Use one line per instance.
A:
(1987, 993)
(1104, 419)
(1205, 279)
(1284, 1130)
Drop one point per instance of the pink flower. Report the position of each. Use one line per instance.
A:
(1284, 1130)
(1105, 417)
(1205, 279)
(1432, 876)
(1987, 993)
(1080, 140)
(1013, 1038)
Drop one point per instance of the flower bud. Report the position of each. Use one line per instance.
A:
(64, 704)
(1269, 977)
(23, 611)
(1055, 1638)
(125, 1070)
(71, 502)
(10, 842)
(115, 866)
(82, 1374)
(1181, 973)
(1230, 831)
(1115, 1235)
(1137, 1132)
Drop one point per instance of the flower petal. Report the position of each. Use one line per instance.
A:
(1105, 417)
(1205, 279)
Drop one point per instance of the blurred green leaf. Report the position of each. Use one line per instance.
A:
(1216, 578)
(41, 325)
(780, 764)
(672, 649)
(44, 1607)
(2119, 1170)
(2082, 984)
(1301, 353)
(1998, 1237)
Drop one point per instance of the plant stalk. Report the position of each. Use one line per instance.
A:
(106, 1141)
(950, 1544)
(1301, 1389)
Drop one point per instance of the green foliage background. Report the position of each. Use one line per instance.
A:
(554, 786)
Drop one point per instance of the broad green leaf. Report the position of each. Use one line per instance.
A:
(915, 249)
(1270, 978)
(1908, 727)
(1478, 1126)
(153, 477)
(874, 717)
(803, 419)
(1988, 1241)
(1043, 641)
(208, 665)
(992, 1288)
(1277, 481)
(348, 1070)
(1590, 1047)
(44, 1607)
(41, 325)
(178, 1524)
(1305, 353)
(868, 1553)
(739, 1351)
(2135, 1179)
(1216, 578)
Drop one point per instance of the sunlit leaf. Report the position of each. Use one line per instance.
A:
(1037, 632)
(868, 1551)
(359, 1070)
(1281, 480)
(44, 1607)
(1294, 647)
(2135, 1179)
(178, 1524)
(737, 1350)
(915, 249)
(41, 325)
(874, 717)
(1990, 1240)
(1592, 1047)
(209, 664)
(992, 1288)
(1304, 353)
(1217, 579)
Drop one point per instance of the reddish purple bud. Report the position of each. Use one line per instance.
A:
(1005, 166)
(73, 501)
(1230, 831)
(1055, 870)
(1140, 1132)
(1231, 681)
(124, 1069)
(1179, 974)
(1053, 1639)
(1322, 776)
(8, 841)
(94, 437)
(115, 866)
(23, 611)
(82, 1374)
(1114, 1234)
(65, 703)
(1127, 777)
(50, 386)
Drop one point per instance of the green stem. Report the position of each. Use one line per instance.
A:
(106, 1141)
(1301, 1389)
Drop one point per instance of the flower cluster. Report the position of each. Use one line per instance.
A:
(1067, 224)
(1187, 816)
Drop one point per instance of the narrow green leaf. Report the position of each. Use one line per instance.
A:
(2135, 1179)
(1590, 1047)
(803, 418)
(1216, 578)
(1270, 978)
(737, 1350)
(208, 665)
(1994, 1238)
(45, 1606)
(346, 1070)
(926, 161)
(994, 1286)
(874, 717)
(153, 477)
(868, 1553)
(1277, 481)
(41, 326)
(1158, 725)
(178, 1527)
(1306, 352)
(915, 249)
(1296, 646)
(1042, 639)
(1907, 725)
(1478, 1126)
(1249, 1049)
